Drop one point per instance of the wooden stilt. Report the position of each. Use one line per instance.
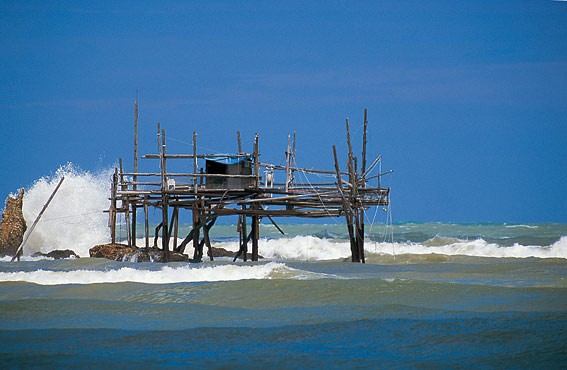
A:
(164, 201)
(113, 206)
(124, 204)
(207, 238)
(135, 177)
(173, 226)
(196, 235)
(243, 250)
(347, 209)
(255, 236)
(363, 185)
(239, 142)
(244, 239)
(146, 222)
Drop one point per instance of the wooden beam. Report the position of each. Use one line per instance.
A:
(135, 178)
(20, 248)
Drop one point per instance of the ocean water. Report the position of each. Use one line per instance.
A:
(431, 295)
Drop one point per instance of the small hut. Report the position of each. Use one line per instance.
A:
(239, 165)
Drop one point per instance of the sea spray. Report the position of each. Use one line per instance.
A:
(75, 219)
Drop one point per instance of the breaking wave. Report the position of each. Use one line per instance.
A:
(311, 248)
(74, 219)
(474, 248)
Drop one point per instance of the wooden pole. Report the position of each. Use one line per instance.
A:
(287, 164)
(135, 139)
(358, 241)
(363, 165)
(164, 201)
(346, 208)
(359, 217)
(125, 205)
(292, 163)
(146, 222)
(174, 226)
(363, 180)
(350, 156)
(256, 163)
(255, 236)
(196, 234)
(112, 210)
(196, 213)
(255, 219)
(135, 177)
(207, 240)
(239, 142)
(195, 163)
(19, 250)
(206, 237)
(244, 246)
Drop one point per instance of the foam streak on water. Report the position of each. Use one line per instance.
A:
(165, 275)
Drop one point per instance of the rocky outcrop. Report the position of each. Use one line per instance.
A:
(13, 226)
(57, 254)
(122, 252)
(221, 252)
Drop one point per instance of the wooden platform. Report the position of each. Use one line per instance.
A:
(239, 184)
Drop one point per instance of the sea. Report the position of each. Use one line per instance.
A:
(430, 295)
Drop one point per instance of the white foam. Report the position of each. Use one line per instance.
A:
(478, 248)
(311, 248)
(302, 248)
(74, 219)
(165, 275)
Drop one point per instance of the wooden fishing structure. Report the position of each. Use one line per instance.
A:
(233, 185)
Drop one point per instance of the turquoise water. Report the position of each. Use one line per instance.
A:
(437, 295)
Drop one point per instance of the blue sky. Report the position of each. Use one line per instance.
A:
(467, 101)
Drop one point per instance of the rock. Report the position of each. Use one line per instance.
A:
(221, 252)
(13, 226)
(57, 254)
(122, 252)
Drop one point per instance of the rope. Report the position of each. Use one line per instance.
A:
(318, 195)
(191, 145)
(69, 216)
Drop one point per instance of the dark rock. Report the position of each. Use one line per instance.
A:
(13, 226)
(57, 254)
(221, 252)
(122, 252)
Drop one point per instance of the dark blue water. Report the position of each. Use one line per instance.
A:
(506, 340)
